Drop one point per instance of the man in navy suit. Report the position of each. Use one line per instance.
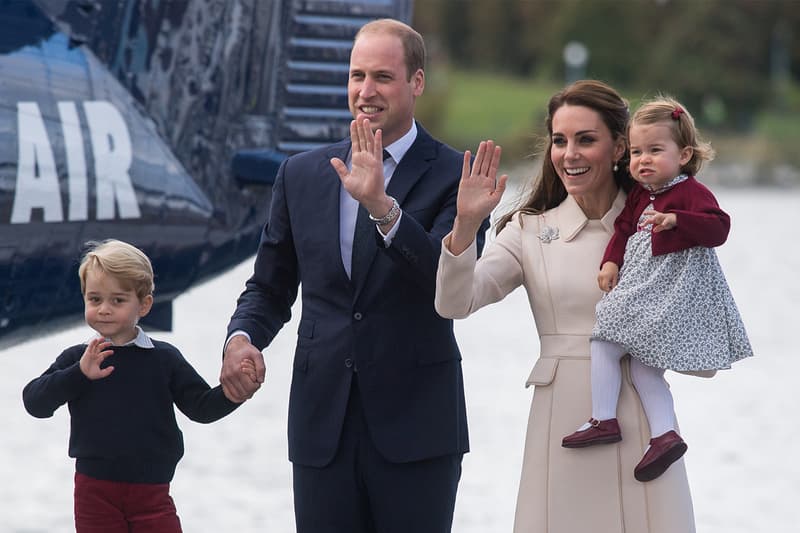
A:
(377, 419)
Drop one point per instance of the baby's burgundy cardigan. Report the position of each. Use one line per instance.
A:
(700, 220)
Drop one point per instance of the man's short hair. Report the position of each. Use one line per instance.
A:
(413, 44)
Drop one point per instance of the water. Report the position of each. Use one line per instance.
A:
(741, 426)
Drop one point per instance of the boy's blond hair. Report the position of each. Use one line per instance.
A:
(124, 262)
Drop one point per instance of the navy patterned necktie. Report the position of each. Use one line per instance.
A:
(363, 239)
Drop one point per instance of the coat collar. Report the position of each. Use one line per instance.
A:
(571, 218)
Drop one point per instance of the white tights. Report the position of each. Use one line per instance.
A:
(649, 382)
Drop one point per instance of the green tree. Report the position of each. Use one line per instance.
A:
(724, 58)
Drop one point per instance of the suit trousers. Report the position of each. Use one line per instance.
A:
(361, 492)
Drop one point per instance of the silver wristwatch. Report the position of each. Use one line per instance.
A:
(390, 217)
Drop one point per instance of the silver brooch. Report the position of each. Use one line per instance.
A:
(548, 234)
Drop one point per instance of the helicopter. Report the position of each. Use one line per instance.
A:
(162, 124)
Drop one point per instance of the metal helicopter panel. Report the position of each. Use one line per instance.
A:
(159, 123)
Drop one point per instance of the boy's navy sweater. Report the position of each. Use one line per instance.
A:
(123, 426)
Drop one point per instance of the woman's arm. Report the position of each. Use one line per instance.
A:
(464, 283)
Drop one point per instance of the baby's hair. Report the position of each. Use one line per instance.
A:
(666, 109)
(124, 262)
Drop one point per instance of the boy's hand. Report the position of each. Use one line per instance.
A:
(237, 385)
(608, 277)
(248, 368)
(95, 353)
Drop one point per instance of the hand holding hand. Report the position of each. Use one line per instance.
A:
(660, 221)
(238, 383)
(608, 278)
(364, 180)
(479, 192)
(248, 368)
(95, 353)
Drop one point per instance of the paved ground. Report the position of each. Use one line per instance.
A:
(235, 476)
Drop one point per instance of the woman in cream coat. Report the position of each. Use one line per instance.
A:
(552, 245)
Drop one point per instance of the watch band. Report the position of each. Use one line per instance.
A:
(390, 217)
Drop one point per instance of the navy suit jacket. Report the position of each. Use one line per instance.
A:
(383, 330)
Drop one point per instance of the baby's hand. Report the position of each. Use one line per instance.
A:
(608, 277)
(95, 353)
(249, 367)
(661, 221)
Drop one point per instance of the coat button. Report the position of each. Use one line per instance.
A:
(348, 363)
(357, 315)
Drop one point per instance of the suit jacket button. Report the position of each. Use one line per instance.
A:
(348, 362)
(358, 316)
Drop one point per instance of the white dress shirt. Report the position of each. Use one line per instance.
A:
(141, 339)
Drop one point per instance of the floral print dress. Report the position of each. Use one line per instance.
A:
(673, 311)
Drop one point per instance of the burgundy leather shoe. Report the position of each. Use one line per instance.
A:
(664, 450)
(600, 432)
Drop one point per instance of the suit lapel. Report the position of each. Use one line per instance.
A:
(413, 166)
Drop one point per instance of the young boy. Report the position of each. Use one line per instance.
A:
(120, 387)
